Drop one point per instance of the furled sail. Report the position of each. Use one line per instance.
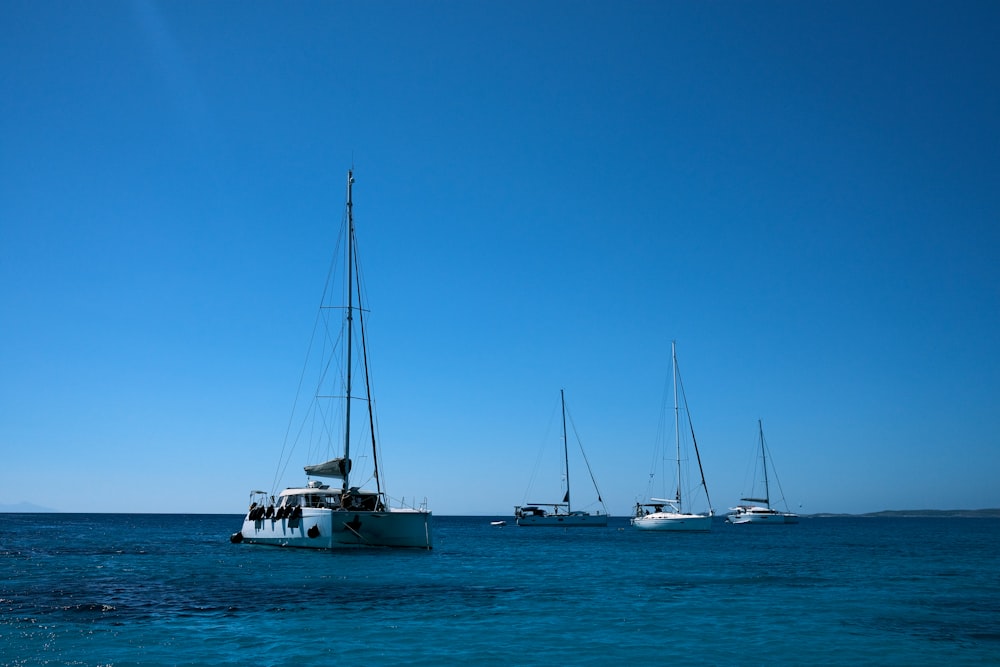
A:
(337, 468)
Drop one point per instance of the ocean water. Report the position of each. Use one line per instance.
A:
(79, 589)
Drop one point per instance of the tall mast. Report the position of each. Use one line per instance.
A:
(562, 397)
(677, 423)
(350, 326)
(763, 458)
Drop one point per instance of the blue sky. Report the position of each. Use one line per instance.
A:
(805, 196)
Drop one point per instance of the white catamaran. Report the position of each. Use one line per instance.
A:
(761, 513)
(668, 514)
(562, 515)
(318, 515)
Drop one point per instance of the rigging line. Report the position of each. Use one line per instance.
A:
(282, 461)
(750, 476)
(361, 290)
(538, 458)
(659, 462)
(364, 353)
(313, 410)
(356, 533)
(584, 454)
(697, 454)
(774, 471)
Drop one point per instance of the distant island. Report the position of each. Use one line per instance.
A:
(23, 508)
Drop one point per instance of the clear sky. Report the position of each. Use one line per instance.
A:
(804, 195)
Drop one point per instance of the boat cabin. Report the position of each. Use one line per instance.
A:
(538, 509)
(309, 497)
(314, 496)
(530, 510)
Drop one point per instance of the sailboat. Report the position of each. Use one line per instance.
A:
(668, 514)
(320, 515)
(562, 515)
(761, 513)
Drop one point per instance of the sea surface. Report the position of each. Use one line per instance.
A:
(134, 589)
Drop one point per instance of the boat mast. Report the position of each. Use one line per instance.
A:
(562, 398)
(677, 422)
(350, 327)
(763, 458)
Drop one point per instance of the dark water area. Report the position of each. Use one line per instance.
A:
(91, 589)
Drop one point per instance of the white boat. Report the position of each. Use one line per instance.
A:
(562, 515)
(761, 512)
(498, 523)
(319, 515)
(668, 514)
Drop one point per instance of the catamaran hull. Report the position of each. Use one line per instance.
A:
(564, 520)
(692, 523)
(336, 529)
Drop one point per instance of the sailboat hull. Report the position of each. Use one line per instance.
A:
(669, 521)
(321, 528)
(760, 516)
(564, 520)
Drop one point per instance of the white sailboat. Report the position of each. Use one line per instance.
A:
(761, 513)
(668, 514)
(562, 515)
(318, 515)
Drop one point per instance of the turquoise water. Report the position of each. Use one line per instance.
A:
(171, 589)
